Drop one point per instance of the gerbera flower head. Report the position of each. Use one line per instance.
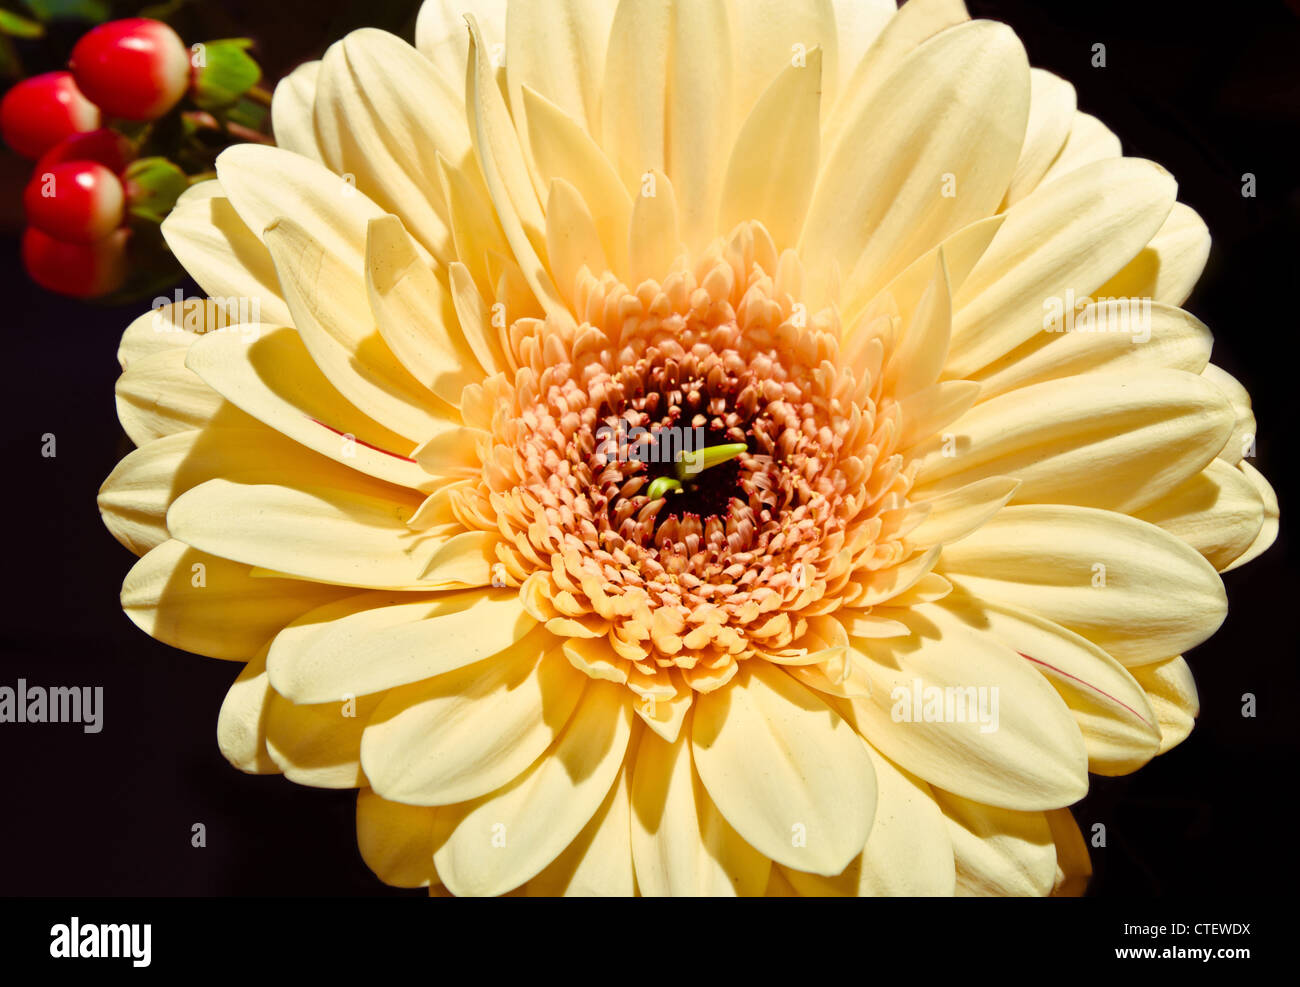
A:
(625, 441)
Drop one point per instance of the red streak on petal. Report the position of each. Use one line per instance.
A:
(1088, 684)
(362, 442)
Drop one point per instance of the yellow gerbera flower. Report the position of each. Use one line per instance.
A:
(690, 447)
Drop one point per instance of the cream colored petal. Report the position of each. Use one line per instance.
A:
(1172, 693)
(157, 396)
(174, 326)
(219, 251)
(999, 853)
(598, 863)
(340, 534)
(953, 110)
(1242, 442)
(1051, 116)
(557, 48)
(955, 514)
(509, 182)
(885, 585)
(133, 501)
(1172, 339)
(498, 842)
(1089, 141)
(858, 23)
(396, 841)
(241, 724)
(1119, 728)
(1169, 266)
(1073, 868)
(265, 184)
(940, 405)
(919, 356)
(562, 150)
(416, 316)
(378, 641)
(1144, 431)
(442, 36)
(292, 109)
(1135, 590)
(332, 315)
(654, 240)
(273, 378)
(785, 770)
(207, 605)
(774, 162)
(572, 239)
(483, 328)
(908, 853)
(772, 36)
(1060, 243)
(475, 228)
(319, 745)
(1024, 753)
(915, 22)
(464, 559)
(383, 117)
(1268, 530)
(1218, 512)
(467, 732)
(681, 844)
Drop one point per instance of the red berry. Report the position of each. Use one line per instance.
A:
(136, 68)
(39, 112)
(82, 270)
(103, 146)
(77, 201)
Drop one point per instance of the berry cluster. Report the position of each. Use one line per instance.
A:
(91, 179)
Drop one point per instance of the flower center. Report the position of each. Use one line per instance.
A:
(690, 473)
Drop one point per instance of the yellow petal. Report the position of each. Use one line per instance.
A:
(785, 770)
(292, 111)
(1218, 512)
(908, 852)
(1127, 586)
(1062, 242)
(467, 732)
(241, 724)
(319, 745)
(272, 378)
(377, 641)
(1051, 116)
(998, 852)
(1169, 266)
(598, 863)
(954, 107)
(157, 396)
(960, 709)
(557, 49)
(210, 606)
(1268, 531)
(1145, 431)
(681, 844)
(1119, 728)
(1172, 692)
(224, 255)
(497, 842)
(415, 313)
(774, 162)
(396, 841)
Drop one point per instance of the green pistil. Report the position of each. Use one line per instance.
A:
(690, 463)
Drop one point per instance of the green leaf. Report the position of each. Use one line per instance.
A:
(152, 187)
(17, 26)
(225, 72)
(95, 11)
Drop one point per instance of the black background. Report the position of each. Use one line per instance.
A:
(1211, 92)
